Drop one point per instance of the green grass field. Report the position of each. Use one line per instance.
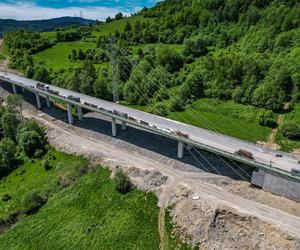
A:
(286, 144)
(57, 56)
(88, 214)
(32, 176)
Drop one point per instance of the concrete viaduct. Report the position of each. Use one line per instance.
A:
(273, 172)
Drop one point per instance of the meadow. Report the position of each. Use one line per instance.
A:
(88, 213)
(57, 57)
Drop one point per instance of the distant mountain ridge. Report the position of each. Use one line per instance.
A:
(7, 25)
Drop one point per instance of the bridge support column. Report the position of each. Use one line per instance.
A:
(48, 102)
(180, 150)
(23, 89)
(79, 113)
(14, 88)
(114, 127)
(70, 116)
(124, 127)
(38, 100)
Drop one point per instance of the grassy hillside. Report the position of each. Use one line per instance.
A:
(57, 57)
(83, 209)
(90, 214)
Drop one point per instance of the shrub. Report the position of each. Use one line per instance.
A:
(6, 197)
(266, 118)
(46, 165)
(31, 125)
(33, 202)
(290, 131)
(9, 123)
(177, 105)
(7, 156)
(122, 182)
(30, 142)
(160, 109)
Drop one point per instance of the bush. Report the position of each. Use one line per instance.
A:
(266, 118)
(9, 123)
(177, 105)
(290, 131)
(160, 109)
(46, 165)
(7, 156)
(30, 142)
(6, 197)
(31, 125)
(33, 202)
(122, 182)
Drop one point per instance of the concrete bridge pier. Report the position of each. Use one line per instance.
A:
(23, 89)
(38, 100)
(70, 115)
(14, 88)
(124, 127)
(48, 101)
(114, 127)
(79, 112)
(180, 150)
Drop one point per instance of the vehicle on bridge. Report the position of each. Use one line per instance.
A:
(295, 172)
(244, 153)
(74, 98)
(53, 92)
(40, 86)
(179, 133)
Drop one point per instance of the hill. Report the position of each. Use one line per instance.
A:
(8, 25)
(180, 58)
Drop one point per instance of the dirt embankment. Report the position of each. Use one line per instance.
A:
(215, 211)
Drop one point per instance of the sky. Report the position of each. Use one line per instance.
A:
(91, 9)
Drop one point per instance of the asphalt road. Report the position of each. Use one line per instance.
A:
(216, 140)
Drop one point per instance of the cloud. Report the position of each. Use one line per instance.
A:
(30, 11)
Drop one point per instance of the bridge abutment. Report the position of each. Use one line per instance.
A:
(276, 184)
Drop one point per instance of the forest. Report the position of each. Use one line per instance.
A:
(243, 51)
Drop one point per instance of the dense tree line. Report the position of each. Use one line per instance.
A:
(73, 33)
(18, 137)
(97, 56)
(25, 40)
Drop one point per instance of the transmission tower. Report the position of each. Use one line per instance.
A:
(114, 67)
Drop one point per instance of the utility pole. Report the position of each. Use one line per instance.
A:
(114, 67)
